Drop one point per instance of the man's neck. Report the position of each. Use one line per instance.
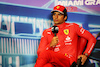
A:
(58, 24)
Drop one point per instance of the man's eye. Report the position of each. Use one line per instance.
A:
(54, 14)
(59, 14)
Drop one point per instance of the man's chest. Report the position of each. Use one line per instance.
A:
(64, 35)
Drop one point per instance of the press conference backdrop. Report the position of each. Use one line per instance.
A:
(21, 28)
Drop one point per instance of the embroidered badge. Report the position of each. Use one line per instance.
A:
(66, 31)
(58, 7)
(65, 54)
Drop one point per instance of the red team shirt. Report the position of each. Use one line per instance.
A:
(67, 40)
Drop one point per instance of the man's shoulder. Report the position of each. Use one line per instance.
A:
(70, 24)
(47, 30)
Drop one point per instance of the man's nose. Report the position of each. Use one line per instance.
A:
(56, 16)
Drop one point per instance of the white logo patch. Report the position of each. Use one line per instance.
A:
(56, 49)
(82, 30)
(48, 32)
(68, 41)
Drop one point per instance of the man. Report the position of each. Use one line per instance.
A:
(62, 50)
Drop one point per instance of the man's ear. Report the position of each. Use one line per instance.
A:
(65, 18)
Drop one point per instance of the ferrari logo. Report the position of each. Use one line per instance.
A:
(66, 31)
(65, 54)
(58, 7)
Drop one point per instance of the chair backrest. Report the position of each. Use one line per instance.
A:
(81, 45)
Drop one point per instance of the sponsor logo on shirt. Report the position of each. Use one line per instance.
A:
(91, 48)
(47, 48)
(56, 49)
(68, 55)
(68, 41)
(48, 32)
(82, 30)
(57, 45)
(66, 31)
(69, 25)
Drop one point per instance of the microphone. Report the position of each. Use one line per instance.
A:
(55, 30)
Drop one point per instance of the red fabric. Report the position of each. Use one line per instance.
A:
(81, 45)
(52, 59)
(68, 41)
(59, 8)
(48, 65)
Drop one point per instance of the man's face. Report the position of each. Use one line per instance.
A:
(58, 18)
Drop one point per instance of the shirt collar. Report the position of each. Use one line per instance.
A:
(62, 25)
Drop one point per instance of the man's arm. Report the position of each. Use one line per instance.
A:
(43, 42)
(90, 45)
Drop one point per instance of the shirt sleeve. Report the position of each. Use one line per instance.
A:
(44, 44)
(87, 35)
